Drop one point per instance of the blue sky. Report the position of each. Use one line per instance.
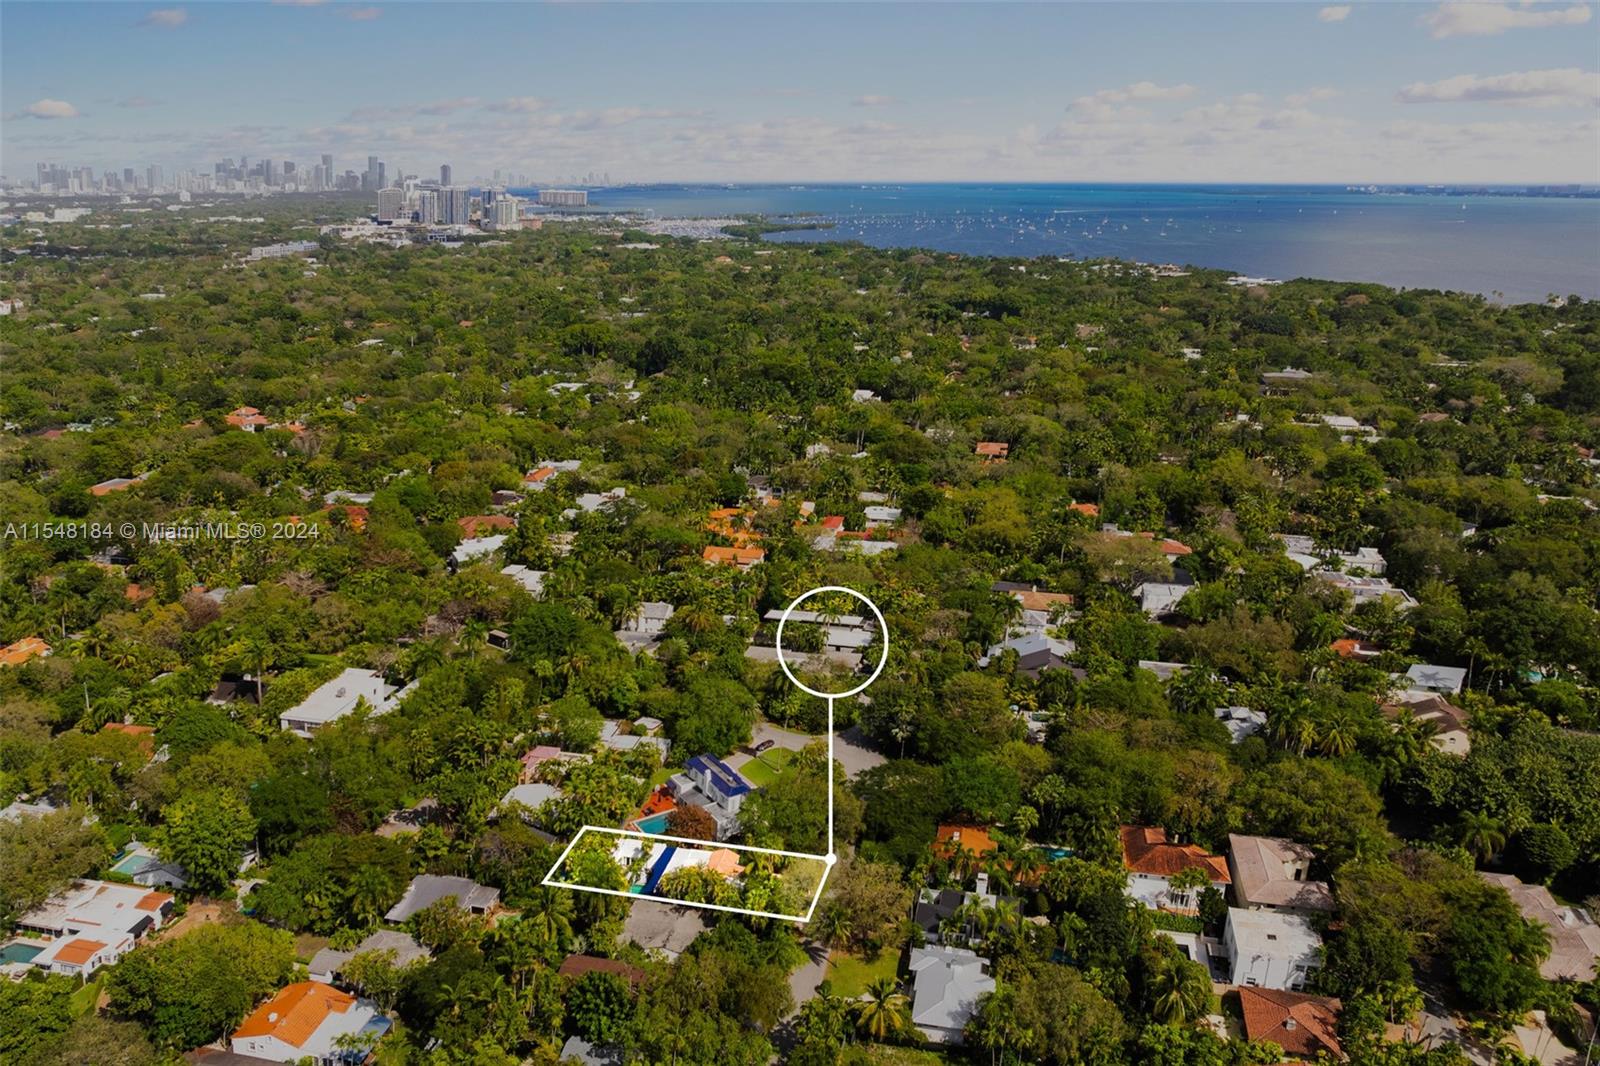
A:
(668, 92)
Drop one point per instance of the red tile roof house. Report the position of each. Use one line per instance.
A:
(1300, 1024)
(484, 525)
(1152, 861)
(305, 1020)
(246, 418)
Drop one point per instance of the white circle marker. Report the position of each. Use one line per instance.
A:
(883, 656)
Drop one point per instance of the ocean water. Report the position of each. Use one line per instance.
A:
(1509, 248)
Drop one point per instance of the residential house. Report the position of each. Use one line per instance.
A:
(612, 736)
(1164, 671)
(427, 889)
(326, 963)
(476, 548)
(1159, 599)
(231, 687)
(1174, 550)
(644, 625)
(537, 756)
(1305, 1027)
(309, 1020)
(1036, 653)
(1273, 872)
(586, 1053)
(1448, 721)
(19, 809)
(485, 525)
(1241, 722)
(246, 418)
(116, 484)
(711, 784)
(24, 650)
(1304, 551)
(992, 451)
(743, 558)
(1271, 949)
(590, 502)
(863, 395)
(147, 868)
(1540, 1043)
(1152, 861)
(1039, 608)
(1574, 935)
(575, 966)
(1445, 680)
(531, 580)
(663, 927)
(337, 698)
(93, 923)
(947, 984)
(1363, 589)
(533, 795)
(1287, 376)
(81, 956)
(1358, 650)
(877, 516)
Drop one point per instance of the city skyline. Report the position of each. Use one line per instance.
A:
(1479, 93)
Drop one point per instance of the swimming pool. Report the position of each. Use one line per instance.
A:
(131, 863)
(18, 951)
(655, 823)
(1055, 853)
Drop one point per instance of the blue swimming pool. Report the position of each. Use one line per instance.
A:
(19, 952)
(1055, 853)
(655, 823)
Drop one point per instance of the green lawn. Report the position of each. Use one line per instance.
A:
(765, 768)
(85, 998)
(663, 775)
(851, 974)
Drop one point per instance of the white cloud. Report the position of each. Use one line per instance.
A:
(873, 100)
(1461, 18)
(517, 105)
(360, 14)
(1334, 13)
(1320, 93)
(1541, 88)
(165, 18)
(46, 109)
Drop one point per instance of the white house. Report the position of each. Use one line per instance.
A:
(947, 984)
(1152, 861)
(1304, 551)
(1160, 598)
(337, 698)
(1445, 680)
(1271, 949)
(649, 619)
(879, 515)
(532, 580)
(1273, 872)
(93, 923)
(80, 956)
(306, 1020)
(1241, 722)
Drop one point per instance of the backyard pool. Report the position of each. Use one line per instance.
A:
(655, 823)
(18, 951)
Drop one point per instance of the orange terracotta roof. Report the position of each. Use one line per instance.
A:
(544, 473)
(1090, 509)
(993, 449)
(733, 556)
(579, 965)
(974, 838)
(144, 733)
(1350, 648)
(480, 525)
(79, 951)
(1043, 601)
(136, 592)
(153, 901)
(357, 515)
(296, 1012)
(724, 861)
(834, 522)
(23, 650)
(1146, 850)
(1300, 1024)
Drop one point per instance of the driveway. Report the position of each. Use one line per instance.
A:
(851, 748)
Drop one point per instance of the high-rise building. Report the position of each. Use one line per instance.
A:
(454, 205)
(507, 212)
(369, 180)
(391, 204)
(427, 206)
(127, 178)
(152, 175)
(327, 167)
(444, 174)
(564, 197)
(381, 181)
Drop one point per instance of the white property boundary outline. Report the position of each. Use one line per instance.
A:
(828, 861)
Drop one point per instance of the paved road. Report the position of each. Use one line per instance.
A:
(851, 749)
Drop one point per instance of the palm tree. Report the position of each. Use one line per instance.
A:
(1293, 728)
(1481, 834)
(1181, 992)
(1338, 731)
(884, 1011)
(548, 914)
(833, 926)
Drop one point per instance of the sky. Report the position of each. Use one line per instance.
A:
(663, 92)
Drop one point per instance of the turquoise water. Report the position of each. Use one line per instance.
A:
(19, 953)
(1053, 854)
(1521, 247)
(128, 864)
(656, 823)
